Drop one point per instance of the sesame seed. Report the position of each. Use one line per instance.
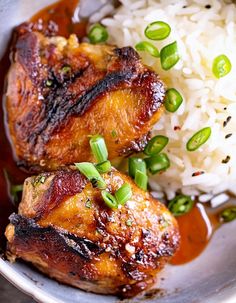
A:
(226, 160)
(228, 136)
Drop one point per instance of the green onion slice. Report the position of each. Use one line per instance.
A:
(99, 149)
(97, 34)
(157, 30)
(136, 164)
(157, 163)
(148, 47)
(109, 199)
(198, 139)
(141, 179)
(66, 69)
(123, 194)
(169, 55)
(173, 100)
(103, 167)
(156, 145)
(228, 214)
(90, 172)
(221, 66)
(14, 190)
(180, 205)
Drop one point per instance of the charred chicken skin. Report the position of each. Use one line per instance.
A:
(60, 91)
(66, 230)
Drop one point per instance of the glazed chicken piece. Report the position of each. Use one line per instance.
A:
(60, 91)
(66, 230)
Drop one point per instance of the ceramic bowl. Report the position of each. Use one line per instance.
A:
(210, 278)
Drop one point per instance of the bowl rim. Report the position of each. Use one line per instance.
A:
(29, 288)
(25, 285)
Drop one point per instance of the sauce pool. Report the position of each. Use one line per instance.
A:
(65, 15)
(196, 227)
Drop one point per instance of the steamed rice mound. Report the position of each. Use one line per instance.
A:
(203, 30)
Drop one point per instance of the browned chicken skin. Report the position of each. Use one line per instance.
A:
(67, 231)
(60, 91)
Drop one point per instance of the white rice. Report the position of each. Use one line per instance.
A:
(201, 34)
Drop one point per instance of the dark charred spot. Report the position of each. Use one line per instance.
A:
(132, 272)
(30, 235)
(126, 53)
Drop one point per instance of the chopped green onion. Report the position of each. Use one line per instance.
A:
(66, 69)
(88, 203)
(141, 179)
(198, 139)
(136, 164)
(14, 190)
(114, 133)
(49, 83)
(109, 199)
(156, 145)
(221, 66)
(173, 100)
(123, 194)
(157, 30)
(98, 34)
(129, 222)
(169, 55)
(99, 149)
(90, 172)
(40, 179)
(103, 167)
(148, 47)
(157, 163)
(228, 214)
(180, 205)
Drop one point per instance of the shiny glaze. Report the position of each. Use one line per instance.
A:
(106, 89)
(59, 232)
(196, 229)
(62, 14)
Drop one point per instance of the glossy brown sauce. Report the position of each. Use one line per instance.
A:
(195, 228)
(6, 160)
(64, 15)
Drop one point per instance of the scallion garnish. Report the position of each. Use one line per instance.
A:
(148, 47)
(169, 55)
(228, 214)
(156, 145)
(180, 205)
(98, 147)
(49, 83)
(136, 164)
(198, 139)
(14, 190)
(90, 172)
(157, 30)
(129, 222)
(114, 133)
(97, 34)
(88, 203)
(141, 179)
(173, 100)
(157, 163)
(221, 66)
(123, 194)
(103, 167)
(66, 69)
(109, 199)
